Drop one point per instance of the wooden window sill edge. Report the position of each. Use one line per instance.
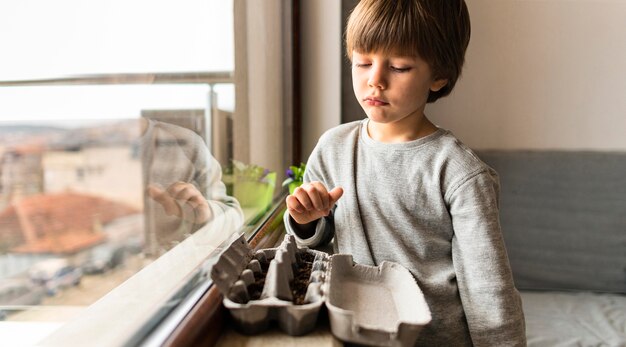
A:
(204, 323)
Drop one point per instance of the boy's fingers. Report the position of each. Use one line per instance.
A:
(169, 205)
(154, 191)
(312, 201)
(323, 196)
(175, 187)
(182, 190)
(335, 194)
(159, 195)
(293, 204)
(190, 196)
(182, 200)
(303, 198)
(316, 193)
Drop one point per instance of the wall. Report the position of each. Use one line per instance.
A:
(541, 74)
(263, 66)
(320, 63)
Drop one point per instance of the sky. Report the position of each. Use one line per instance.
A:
(48, 39)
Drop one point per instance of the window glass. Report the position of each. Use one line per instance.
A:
(116, 157)
(55, 38)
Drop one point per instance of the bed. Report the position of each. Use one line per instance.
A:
(563, 217)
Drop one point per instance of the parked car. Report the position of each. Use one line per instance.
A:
(16, 293)
(103, 258)
(135, 244)
(54, 274)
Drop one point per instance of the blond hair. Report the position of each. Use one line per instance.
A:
(438, 31)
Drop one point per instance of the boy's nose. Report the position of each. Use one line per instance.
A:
(376, 78)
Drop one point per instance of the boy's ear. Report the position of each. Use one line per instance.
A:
(438, 84)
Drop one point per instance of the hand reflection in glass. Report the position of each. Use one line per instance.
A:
(182, 200)
(183, 186)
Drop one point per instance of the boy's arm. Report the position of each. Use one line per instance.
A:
(491, 302)
(208, 179)
(314, 234)
(319, 232)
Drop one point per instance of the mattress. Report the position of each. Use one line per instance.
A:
(560, 319)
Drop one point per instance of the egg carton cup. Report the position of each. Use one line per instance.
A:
(381, 306)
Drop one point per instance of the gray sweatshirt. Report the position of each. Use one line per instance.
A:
(432, 206)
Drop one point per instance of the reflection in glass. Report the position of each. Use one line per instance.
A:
(112, 162)
(71, 216)
(183, 186)
(82, 209)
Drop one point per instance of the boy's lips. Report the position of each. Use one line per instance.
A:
(373, 101)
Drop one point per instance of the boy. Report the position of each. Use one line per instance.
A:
(396, 187)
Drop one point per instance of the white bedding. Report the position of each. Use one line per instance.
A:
(559, 319)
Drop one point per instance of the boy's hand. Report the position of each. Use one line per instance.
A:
(312, 201)
(183, 200)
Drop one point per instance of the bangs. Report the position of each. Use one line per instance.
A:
(437, 31)
(388, 27)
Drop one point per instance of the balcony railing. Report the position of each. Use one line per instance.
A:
(210, 78)
(215, 132)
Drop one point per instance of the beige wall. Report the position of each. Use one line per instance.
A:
(262, 83)
(542, 74)
(321, 69)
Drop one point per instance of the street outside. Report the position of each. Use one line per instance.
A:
(71, 301)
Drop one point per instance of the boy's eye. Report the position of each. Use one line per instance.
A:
(362, 64)
(399, 69)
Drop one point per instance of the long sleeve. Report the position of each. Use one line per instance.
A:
(209, 177)
(324, 229)
(491, 303)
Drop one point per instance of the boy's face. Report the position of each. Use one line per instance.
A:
(392, 89)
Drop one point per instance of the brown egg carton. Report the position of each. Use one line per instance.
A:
(380, 306)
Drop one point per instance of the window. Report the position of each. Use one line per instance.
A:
(135, 139)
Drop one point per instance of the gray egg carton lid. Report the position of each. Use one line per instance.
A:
(373, 305)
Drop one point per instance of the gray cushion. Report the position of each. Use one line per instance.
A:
(559, 319)
(563, 217)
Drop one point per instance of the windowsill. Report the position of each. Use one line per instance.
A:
(203, 325)
(27, 333)
(320, 337)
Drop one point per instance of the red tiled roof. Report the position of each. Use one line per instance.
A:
(57, 223)
(64, 243)
(32, 148)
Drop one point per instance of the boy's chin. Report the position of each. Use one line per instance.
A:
(378, 119)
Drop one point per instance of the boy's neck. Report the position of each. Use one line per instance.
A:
(408, 129)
